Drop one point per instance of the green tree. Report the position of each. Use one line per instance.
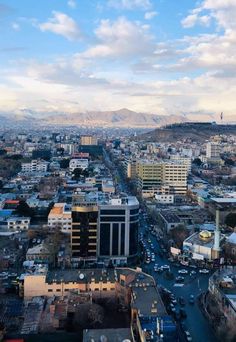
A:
(197, 162)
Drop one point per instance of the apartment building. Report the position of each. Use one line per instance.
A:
(183, 160)
(60, 217)
(18, 223)
(36, 165)
(213, 150)
(152, 175)
(78, 164)
(130, 168)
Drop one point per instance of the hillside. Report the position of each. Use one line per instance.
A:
(198, 132)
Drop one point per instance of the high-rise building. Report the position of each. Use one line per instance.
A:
(118, 229)
(104, 228)
(84, 226)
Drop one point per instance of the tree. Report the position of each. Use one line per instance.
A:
(2, 152)
(197, 162)
(77, 174)
(64, 163)
(230, 220)
(24, 210)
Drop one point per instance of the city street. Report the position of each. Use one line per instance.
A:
(195, 322)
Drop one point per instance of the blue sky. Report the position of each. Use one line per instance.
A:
(158, 56)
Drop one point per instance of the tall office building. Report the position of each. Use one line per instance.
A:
(118, 229)
(104, 228)
(84, 226)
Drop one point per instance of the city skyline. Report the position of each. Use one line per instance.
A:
(160, 57)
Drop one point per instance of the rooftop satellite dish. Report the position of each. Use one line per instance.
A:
(81, 276)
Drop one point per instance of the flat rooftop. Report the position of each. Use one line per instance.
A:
(109, 335)
(169, 216)
(195, 239)
(152, 305)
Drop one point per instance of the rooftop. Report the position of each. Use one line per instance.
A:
(109, 335)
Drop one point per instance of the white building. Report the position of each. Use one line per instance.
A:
(35, 165)
(78, 164)
(164, 199)
(18, 223)
(60, 216)
(213, 150)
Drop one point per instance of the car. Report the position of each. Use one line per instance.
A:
(160, 269)
(191, 299)
(174, 301)
(166, 267)
(179, 279)
(204, 271)
(183, 271)
(188, 336)
(181, 301)
(193, 273)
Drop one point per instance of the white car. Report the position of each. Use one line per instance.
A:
(183, 271)
(204, 271)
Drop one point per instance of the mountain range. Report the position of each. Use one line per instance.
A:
(122, 118)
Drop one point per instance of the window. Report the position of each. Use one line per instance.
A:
(49, 290)
(113, 212)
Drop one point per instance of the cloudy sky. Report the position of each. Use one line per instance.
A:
(159, 56)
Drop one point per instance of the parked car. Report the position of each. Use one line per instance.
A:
(183, 271)
(204, 271)
(188, 336)
(191, 299)
(179, 279)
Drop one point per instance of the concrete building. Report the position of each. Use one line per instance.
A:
(104, 228)
(60, 217)
(201, 245)
(133, 288)
(152, 175)
(16, 223)
(182, 160)
(88, 140)
(213, 150)
(222, 286)
(39, 254)
(35, 165)
(118, 229)
(78, 164)
(169, 219)
(84, 226)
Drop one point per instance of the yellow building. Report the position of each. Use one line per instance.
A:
(88, 140)
(153, 175)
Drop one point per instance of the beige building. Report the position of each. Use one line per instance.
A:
(153, 175)
(88, 140)
(60, 217)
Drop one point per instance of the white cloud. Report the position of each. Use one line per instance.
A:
(150, 15)
(72, 3)
(63, 25)
(194, 19)
(130, 4)
(15, 26)
(121, 38)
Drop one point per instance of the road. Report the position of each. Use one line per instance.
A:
(195, 322)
